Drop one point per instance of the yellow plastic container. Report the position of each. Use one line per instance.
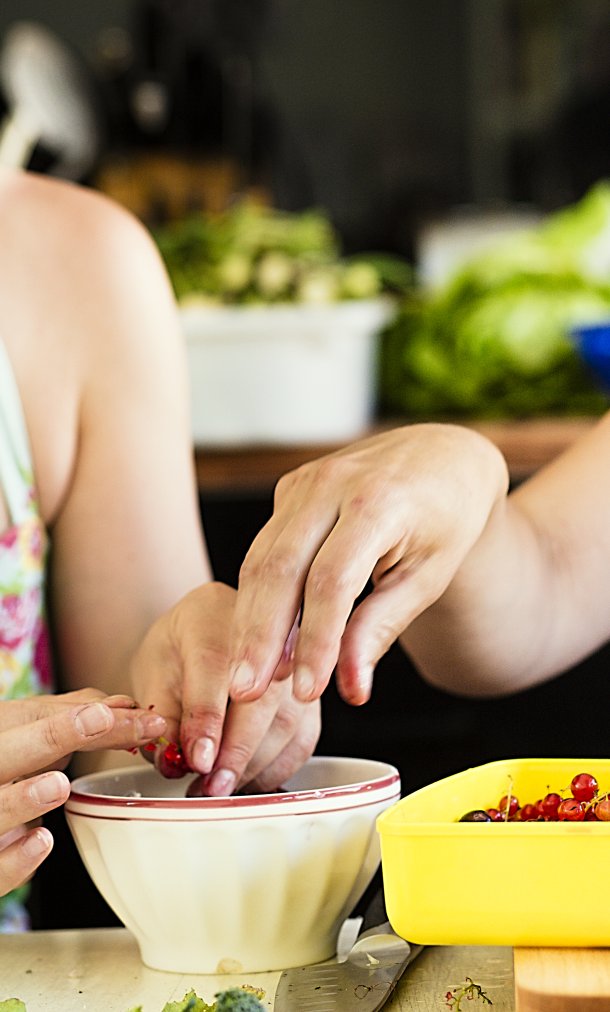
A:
(495, 883)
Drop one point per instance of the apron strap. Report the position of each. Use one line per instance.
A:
(15, 456)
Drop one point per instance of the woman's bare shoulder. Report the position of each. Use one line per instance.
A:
(44, 214)
(83, 299)
(83, 257)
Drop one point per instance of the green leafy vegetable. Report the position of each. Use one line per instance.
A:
(254, 254)
(190, 1003)
(496, 339)
(12, 1005)
(236, 999)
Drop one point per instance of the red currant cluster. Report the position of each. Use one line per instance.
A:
(583, 804)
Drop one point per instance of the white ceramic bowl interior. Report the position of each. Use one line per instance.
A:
(240, 884)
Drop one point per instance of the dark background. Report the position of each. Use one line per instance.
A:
(386, 113)
(383, 112)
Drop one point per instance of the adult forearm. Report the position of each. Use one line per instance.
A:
(491, 629)
(532, 597)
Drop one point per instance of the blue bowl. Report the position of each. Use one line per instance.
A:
(592, 341)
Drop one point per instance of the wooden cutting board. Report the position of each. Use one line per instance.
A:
(562, 980)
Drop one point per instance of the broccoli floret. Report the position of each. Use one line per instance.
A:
(237, 999)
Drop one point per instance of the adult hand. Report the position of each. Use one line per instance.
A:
(39, 734)
(129, 726)
(402, 508)
(264, 742)
(181, 669)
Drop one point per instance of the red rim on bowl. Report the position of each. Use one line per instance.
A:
(387, 784)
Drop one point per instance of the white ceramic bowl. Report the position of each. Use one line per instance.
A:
(232, 885)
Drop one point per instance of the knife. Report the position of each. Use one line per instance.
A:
(365, 980)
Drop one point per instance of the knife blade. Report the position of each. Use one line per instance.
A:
(365, 980)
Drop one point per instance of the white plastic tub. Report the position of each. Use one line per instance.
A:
(283, 374)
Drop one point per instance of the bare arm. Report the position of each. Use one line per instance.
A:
(127, 541)
(532, 598)
(93, 334)
(100, 361)
(487, 593)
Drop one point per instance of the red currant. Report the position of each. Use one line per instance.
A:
(602, 808)
(584, 787)
(510, 802)
(172, 763)
(495, 815)
(583, 804)
(549, 805)
(529, 813)
(571, 810)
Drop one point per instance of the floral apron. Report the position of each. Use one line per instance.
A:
(24, 644)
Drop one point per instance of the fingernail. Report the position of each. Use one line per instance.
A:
(221, 783)
(203, 755)
(242, 679)
(118, 699)
(37, 843)
(93, 718)
(304, 684)
(150, 725)
(48, 788)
